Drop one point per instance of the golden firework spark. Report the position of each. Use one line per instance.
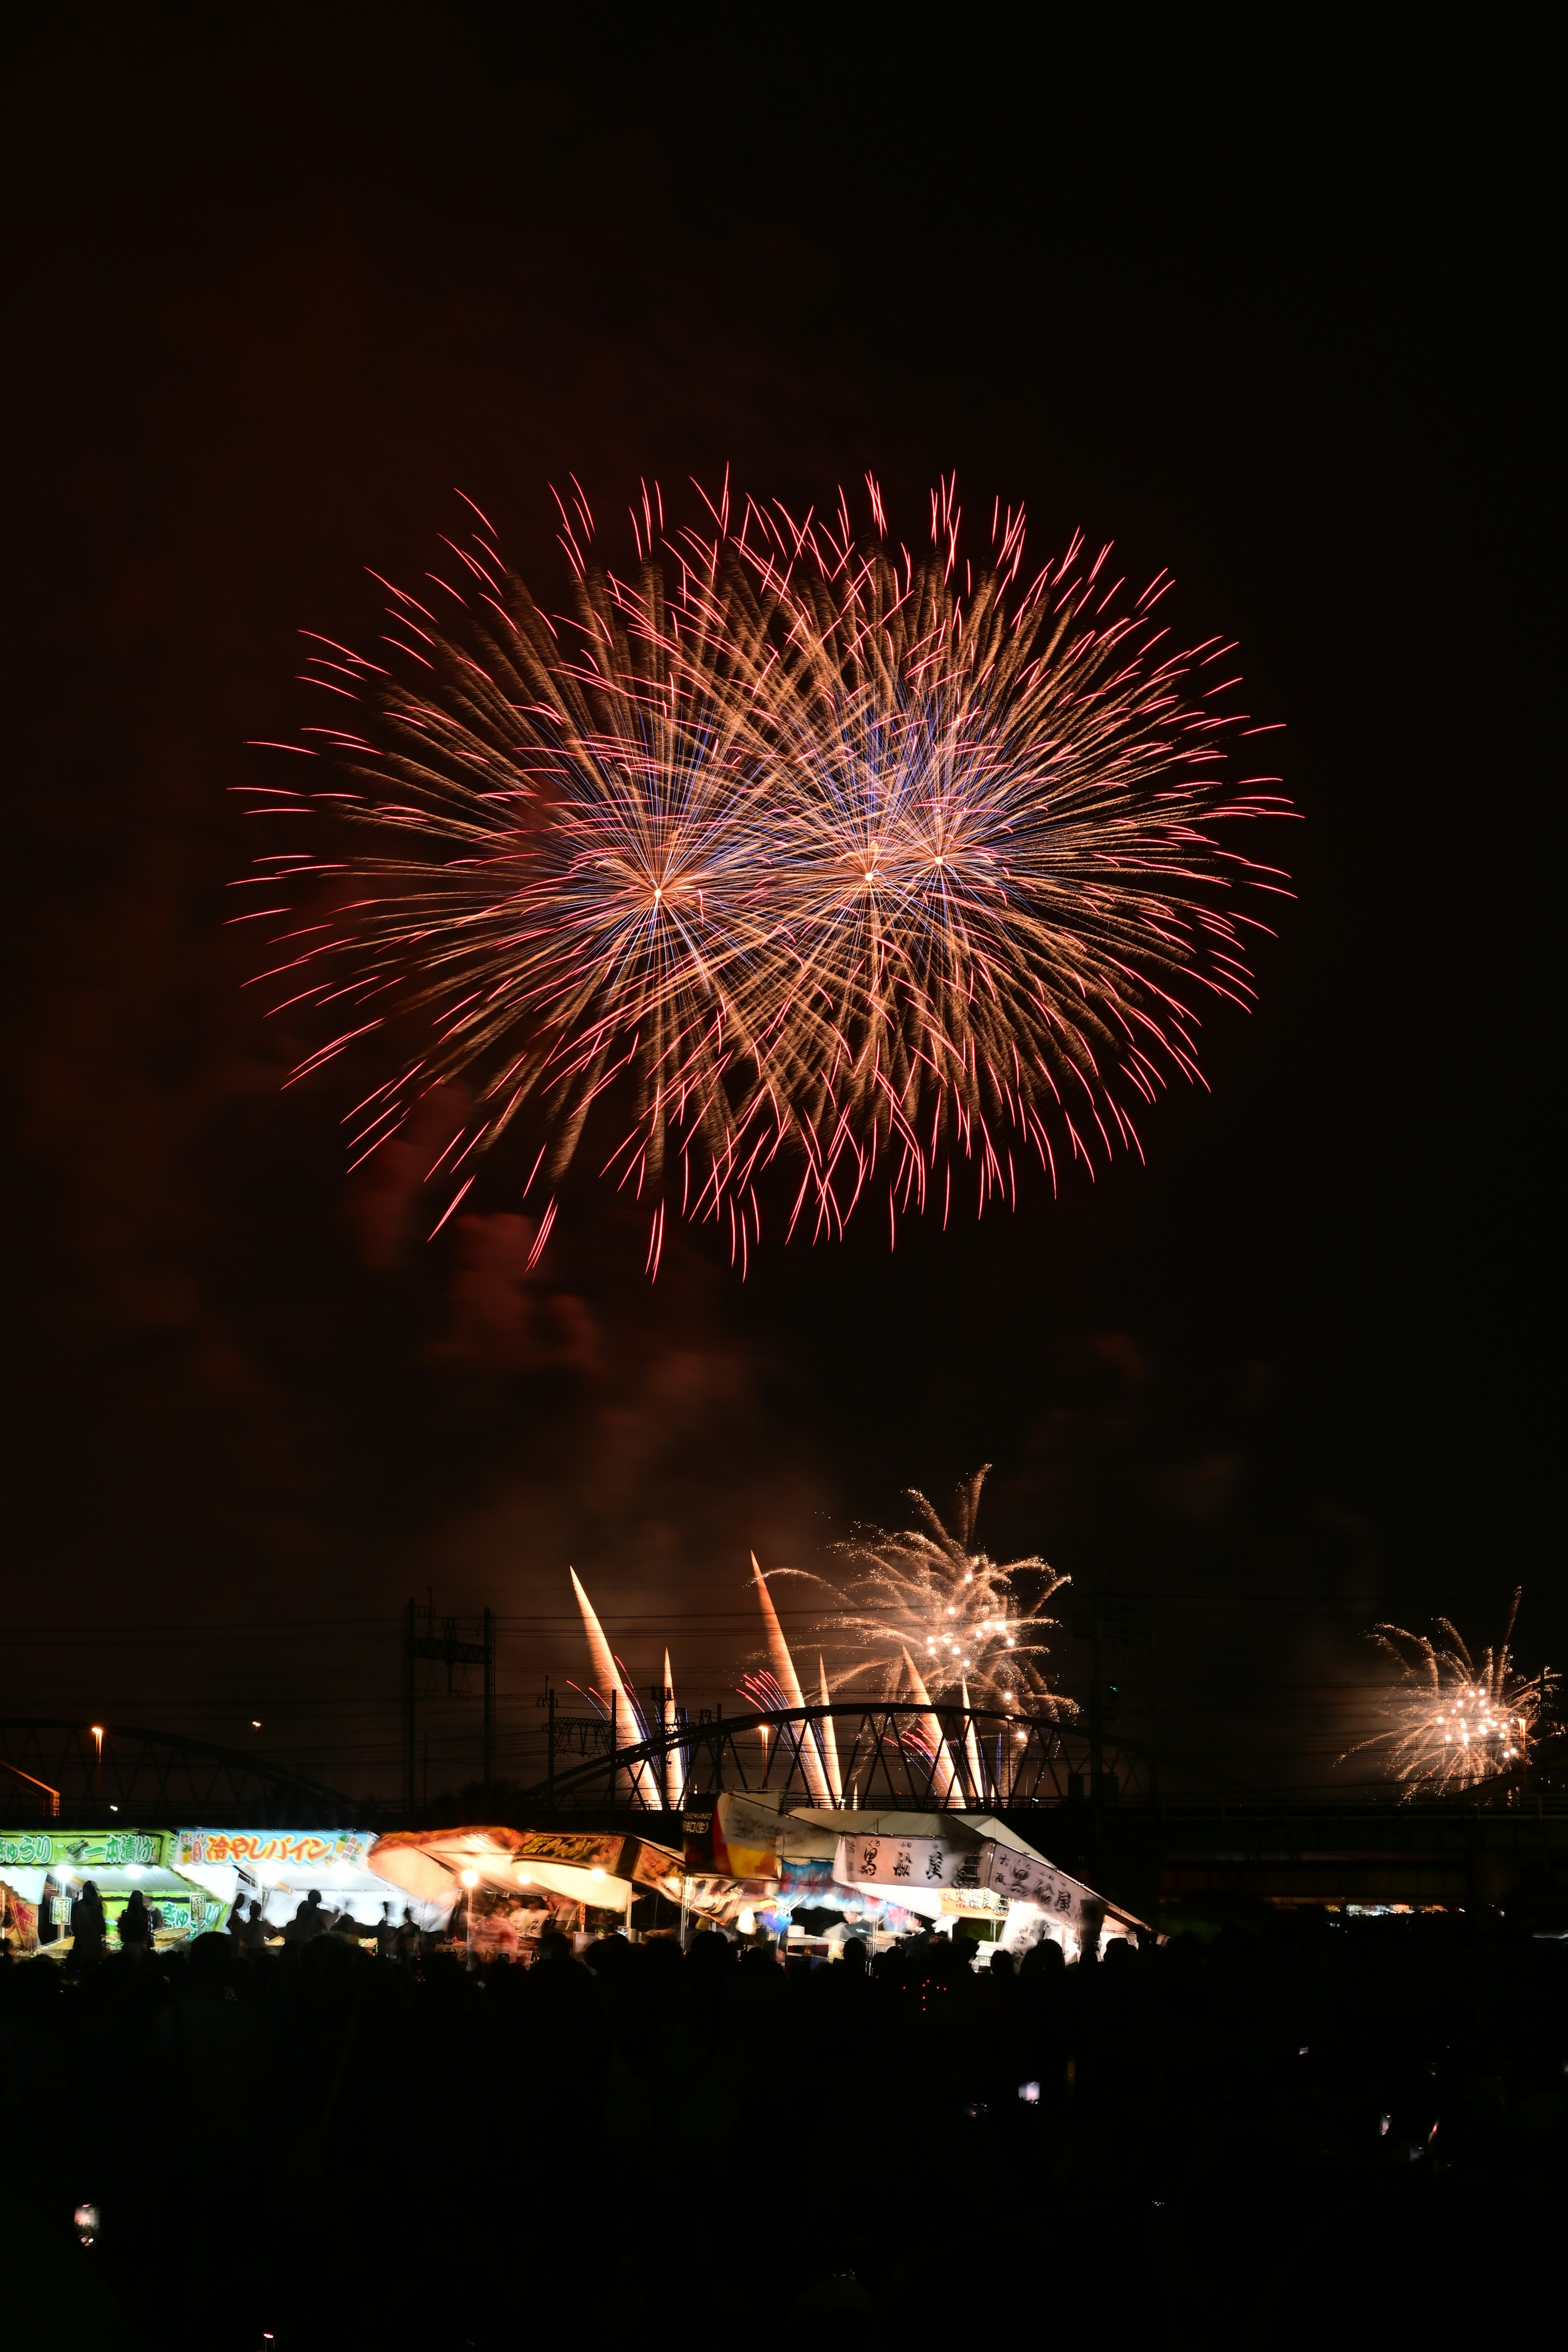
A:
(1454, 1719)
(929, 1611)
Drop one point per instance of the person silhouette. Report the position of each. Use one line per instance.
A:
(309, 1919)
(87, 1922)
(135, 1926)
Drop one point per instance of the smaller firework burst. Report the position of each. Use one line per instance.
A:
(925, 1608)
(1455, 1720)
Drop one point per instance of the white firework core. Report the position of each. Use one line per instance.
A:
(922, 1596)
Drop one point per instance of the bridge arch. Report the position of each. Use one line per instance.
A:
(864, 1753)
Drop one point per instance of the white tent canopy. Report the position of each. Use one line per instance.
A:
(914, 1858)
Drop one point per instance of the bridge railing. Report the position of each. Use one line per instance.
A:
(849, 1753)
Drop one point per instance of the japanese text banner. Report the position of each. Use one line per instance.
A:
(1025, 1878)
(877, 1857)
(880, 1859)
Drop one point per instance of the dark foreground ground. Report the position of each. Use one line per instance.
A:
(1317, 2134)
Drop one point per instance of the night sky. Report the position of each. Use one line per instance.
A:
(1269, 315)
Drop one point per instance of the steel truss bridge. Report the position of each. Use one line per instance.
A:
(859, 1753)
(1108, 1821)
(62, 1771)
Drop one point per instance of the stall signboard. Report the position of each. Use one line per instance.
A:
(654, 1866)
(722, 1899)
(704, 1889)
(971, 1903)
(697, 1844)
(737, 1838)
(618, 1857)
(751, 1834)
(581, 1849)
(1026, 1878)
(881, 1859)
(83, 1849)
(298, 1849)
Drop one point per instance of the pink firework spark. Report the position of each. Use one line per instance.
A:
(782, 863)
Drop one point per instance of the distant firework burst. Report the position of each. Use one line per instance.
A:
(1454, 1719)
(786, 855)
(972, 1628)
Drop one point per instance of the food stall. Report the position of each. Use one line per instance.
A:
(44, 1870)
(972, 1874)
(189, 1878)
(875, 1873)
(280, 1869)
(516, 1882)
(748, 1866)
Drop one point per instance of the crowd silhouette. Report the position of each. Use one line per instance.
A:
(1231, 2137)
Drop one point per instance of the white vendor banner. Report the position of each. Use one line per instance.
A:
(876, 1857)
(881, 1859)
(1025, 1878)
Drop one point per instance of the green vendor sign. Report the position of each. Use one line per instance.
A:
(82, 1850)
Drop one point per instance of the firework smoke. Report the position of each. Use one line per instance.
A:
(786, 852)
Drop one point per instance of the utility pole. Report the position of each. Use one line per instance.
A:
(448, 1649)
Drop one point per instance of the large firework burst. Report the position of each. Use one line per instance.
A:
(929, 1615)
(785, 847)
(1454, 1719)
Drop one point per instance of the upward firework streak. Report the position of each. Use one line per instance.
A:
(786, 848)
(1454, 1719)
(930, 1617)
(616, 1700)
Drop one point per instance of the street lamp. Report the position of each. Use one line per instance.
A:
(96, 1731)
